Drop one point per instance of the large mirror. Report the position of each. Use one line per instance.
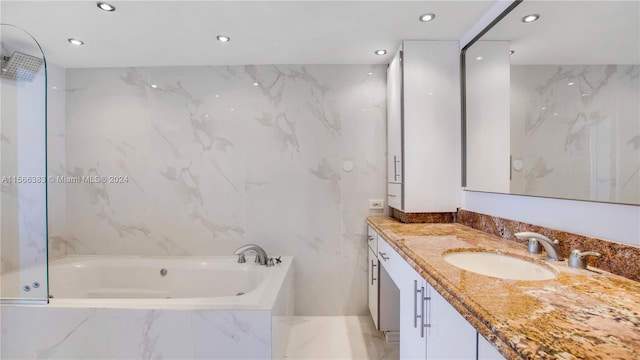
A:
(552, 102)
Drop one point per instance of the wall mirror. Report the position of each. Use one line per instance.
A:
(552, 102)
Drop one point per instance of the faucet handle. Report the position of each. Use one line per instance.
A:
(534, 246)
(257, 259)
(576, 260)
(241, 258)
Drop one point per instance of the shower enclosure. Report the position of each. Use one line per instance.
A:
(23, 168)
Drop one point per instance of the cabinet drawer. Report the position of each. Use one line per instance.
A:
(394, 195)
(390, 259)
(372, 239)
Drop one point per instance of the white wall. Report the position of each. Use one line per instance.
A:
(609, 221)
(214, 162)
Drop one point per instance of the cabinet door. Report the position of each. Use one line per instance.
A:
(373, 286)
(394, 119)
(430, 126)
(486, 351)
(412, 334)
(449, 335)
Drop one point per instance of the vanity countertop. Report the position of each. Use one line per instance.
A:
(581, 314)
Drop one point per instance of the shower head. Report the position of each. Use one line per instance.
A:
(21, 66)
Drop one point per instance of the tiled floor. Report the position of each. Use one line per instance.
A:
(337, 337)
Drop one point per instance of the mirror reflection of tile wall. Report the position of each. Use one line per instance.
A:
(576, 131)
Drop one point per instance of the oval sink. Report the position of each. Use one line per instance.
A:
(498, 265)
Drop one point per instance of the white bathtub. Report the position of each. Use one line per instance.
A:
(204, 307)
(217, 282)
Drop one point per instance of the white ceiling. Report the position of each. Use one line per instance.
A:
(573, 32)
(172, 33)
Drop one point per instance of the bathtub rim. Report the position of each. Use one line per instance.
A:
(260, 299)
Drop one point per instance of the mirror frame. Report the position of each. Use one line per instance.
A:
(463, 90)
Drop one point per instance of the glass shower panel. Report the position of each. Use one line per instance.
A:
(23, 195)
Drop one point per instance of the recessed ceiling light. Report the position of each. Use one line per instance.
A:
(216, 95)
(530, 18)
(511, 52)
(106, 7)
(479, 58)
(369, 73)
(256, 84)
(223, 38)
(381, 52)
(232, 109)
(427, 17)
(544, 108)
(206, 115)
(584, 94)
(571, 83)
(75, 42)
(154, 86)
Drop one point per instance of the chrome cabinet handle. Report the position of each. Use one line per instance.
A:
(370, 238)
(426, 324)
(372, 267)
(383, 255)
(422, 306)
(416, 291)
(395, 168)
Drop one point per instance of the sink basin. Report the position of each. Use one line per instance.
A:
(498, 265)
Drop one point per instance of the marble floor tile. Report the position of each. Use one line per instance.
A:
(337, 337)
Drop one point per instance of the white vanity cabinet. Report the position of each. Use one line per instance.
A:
(423, 127)
(430, 328)
(383, 294)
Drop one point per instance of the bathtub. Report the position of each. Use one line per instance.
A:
(148, 307)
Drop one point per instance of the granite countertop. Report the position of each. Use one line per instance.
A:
(581, 314)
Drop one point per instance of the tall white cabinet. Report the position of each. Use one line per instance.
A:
(423, 127)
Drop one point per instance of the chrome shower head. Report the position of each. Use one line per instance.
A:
(21, 66)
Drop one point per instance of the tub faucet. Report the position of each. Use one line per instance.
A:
(550, 246)
(261, 255)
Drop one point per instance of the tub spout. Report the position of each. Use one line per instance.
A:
(261, 255)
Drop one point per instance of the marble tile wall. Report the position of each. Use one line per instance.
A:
(577, 130)
(217, 157)
(83, 333)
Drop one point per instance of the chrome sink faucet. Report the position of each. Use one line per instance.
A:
(550, 246)
(261, 256)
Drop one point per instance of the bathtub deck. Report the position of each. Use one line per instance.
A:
(337, 337)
